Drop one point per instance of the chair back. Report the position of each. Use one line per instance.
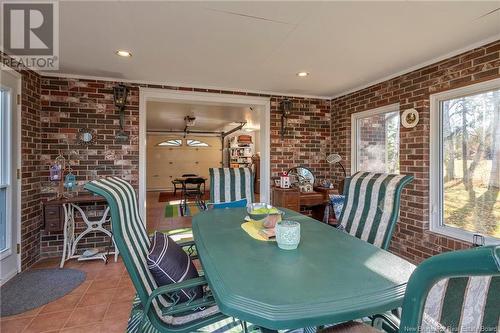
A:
(194, 180)
(371, 206)
(231, 184)
(454, 292)
(129, 233)
(189, 175)
(193, 185)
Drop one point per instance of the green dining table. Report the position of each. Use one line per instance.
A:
(331, 277)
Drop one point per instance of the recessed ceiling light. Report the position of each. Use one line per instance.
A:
(302, 74)
(123, 53)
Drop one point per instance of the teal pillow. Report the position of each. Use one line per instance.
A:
(232, 204)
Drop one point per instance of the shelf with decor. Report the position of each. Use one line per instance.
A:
(241, 150)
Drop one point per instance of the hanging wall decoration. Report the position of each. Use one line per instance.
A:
(70, 180)
(55, 172)
(86, 136)
(286, 109)
(120, 93)
(409, 118)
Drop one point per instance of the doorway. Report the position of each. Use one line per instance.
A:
(10, 195)
(209, 130)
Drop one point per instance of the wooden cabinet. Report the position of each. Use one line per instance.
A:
(286, 198)
(291, 198)
(54, 217)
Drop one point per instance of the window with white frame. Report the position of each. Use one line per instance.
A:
(375, 140)
(4, 170)
(465, 162)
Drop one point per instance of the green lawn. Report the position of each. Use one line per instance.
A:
(482, 215)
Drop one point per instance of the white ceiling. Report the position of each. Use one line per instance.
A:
(259, 46)
(209, 117)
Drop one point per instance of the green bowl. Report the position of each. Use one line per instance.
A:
(258, 211)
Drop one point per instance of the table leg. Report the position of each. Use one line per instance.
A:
(68, 230)
(93, 226)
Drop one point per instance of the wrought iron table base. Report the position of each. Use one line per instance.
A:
(71, 242)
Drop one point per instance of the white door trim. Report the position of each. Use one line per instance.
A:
(152, 94)
(17, 132)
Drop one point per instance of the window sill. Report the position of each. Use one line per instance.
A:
(5, 253)
(462, 235)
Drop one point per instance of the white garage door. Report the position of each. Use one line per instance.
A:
(168, 157)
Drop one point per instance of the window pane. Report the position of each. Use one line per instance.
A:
(171, 143)
(378, 143)
(196, 143)
(3, 218)
(470, 162)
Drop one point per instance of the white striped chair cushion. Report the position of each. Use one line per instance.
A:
(132, 240)
(371, 206)
(231, 184)
(464, 304)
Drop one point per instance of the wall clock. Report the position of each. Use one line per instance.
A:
(409, 118)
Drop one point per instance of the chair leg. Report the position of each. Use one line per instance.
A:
(244, 326)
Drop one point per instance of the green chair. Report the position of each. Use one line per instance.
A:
(452, 292)
(162, 311)
(231, 184)
(371, 206)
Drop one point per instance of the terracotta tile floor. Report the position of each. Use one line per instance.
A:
(155, 212)
(102, 303)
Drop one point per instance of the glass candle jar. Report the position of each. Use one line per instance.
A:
(288, 234)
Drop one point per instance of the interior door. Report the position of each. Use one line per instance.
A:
(9, 184)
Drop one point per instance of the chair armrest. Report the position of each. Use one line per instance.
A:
(389, 320)
(187, 243)
(207, 299)
(199, 281)
(190, 248)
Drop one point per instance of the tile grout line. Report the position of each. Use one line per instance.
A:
(81, 297)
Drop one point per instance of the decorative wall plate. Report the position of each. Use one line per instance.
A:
(409, 118)
(86, 136)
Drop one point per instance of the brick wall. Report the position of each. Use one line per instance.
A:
(67, 106)
(70, 104)
(30, 183)
(53, 109)
(307, 142)
(412, 240)
(31, 212)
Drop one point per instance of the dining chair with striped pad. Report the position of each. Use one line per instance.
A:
(457, 292)
(451, 292)
(231, 184)
(161, 307)
(371, 206)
